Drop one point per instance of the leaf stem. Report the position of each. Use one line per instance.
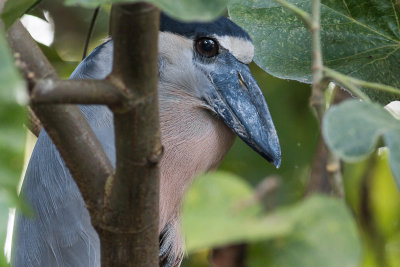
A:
(376, 86)
(318, 83)
(331, 165)
(90, 32)
(347, 82)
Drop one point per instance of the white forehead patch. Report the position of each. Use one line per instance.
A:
(240, 48)
(173, 47)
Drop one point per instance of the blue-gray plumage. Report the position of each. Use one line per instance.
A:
(206, 92)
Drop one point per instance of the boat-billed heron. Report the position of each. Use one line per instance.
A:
(206, 96)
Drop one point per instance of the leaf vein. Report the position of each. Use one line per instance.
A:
(375, 60)
(303, 26)
(395, 15)
(347, 7)
(362, 52)
(361, 24)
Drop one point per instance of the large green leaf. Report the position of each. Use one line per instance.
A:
(353, 128)
(215, 213)
(372, 177)
(193, 10)
(324, 235)
(14, 9)
(12, 117)
(316, 232)
(12, 135)
(360, 38)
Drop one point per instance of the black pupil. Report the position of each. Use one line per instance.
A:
(208, 45)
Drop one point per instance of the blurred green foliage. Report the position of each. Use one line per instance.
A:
(202, 10)
(373, 196)
(15, 9)
(317, 231)
(353, 128)
(232, 218)
(12, 135)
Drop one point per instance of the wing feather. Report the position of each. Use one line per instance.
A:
(60, 232)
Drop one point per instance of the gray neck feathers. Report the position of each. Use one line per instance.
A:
(195, 141)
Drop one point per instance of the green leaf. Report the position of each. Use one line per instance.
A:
(12, 117)
(194, 10)
(316, 232)
(14, 9)
(360, 38)
(12, 137)
(353, 128)
(4, 212)
(324, 235)
(215, 213)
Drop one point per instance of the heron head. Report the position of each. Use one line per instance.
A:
(210, 61)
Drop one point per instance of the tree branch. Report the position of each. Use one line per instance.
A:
(65, 124)
(34, 124)
(50, 91)
(318, 84)
(129, 233)
(325, 164)
(124, 208)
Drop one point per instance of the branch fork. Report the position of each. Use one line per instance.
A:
(123, 203)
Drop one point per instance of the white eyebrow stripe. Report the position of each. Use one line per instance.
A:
(240, 48)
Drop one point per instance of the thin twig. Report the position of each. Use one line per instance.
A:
(90, 32)
(333, 163)
(262, 192)
(333, 167)
(318, 86)
(317, 99)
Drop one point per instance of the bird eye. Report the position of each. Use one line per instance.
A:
(207, 47)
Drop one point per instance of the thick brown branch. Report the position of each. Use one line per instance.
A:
(65, 124)
(50, 91)
(129, 233)
(34, 124)
(29, 57)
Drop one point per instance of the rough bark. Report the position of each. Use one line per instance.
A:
(65, 124)
(138, 147)
(123, 206)
(49, 91)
